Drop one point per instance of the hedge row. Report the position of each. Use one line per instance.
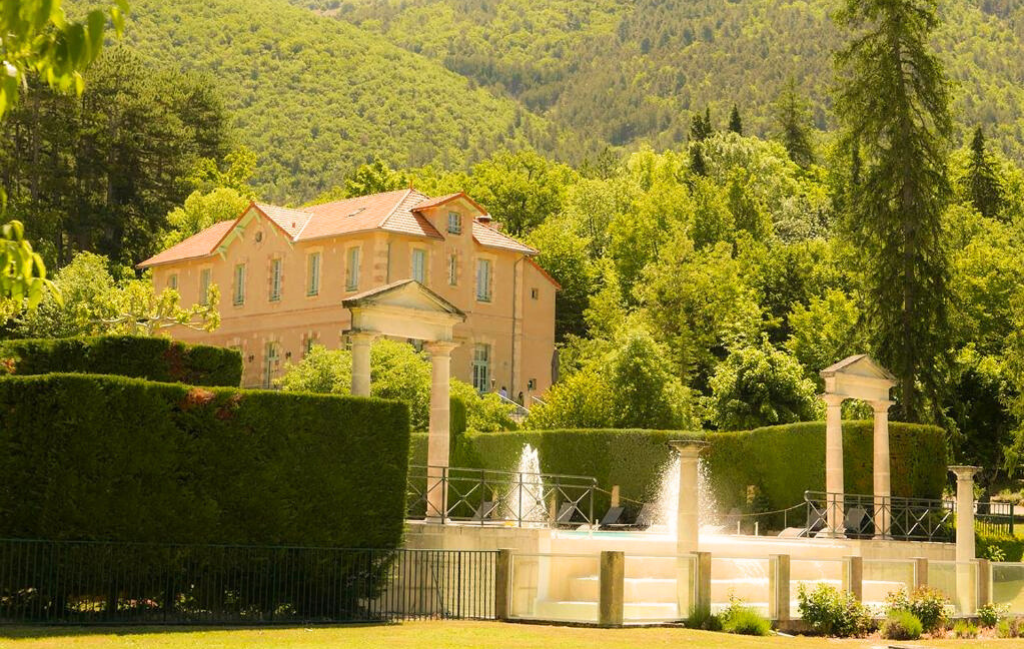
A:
(781, 462)
(156, 359)
(113, 458)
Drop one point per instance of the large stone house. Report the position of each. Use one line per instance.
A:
(283, 274)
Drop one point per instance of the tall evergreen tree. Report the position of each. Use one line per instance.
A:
(982, 183)
(894, 99)
(735, 122)
(698, 165)
(793, 120)
(700, 127)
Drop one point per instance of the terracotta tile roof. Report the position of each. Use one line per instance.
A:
(395, 211)
(391, 211)
(441, 200)
(489, 237)
(198, 245)
(289, 220)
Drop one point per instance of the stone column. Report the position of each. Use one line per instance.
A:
(964, 511)
(361, 342)
(883, 491)
(966, 594)
(688, 505)
(834, 485)
(439, 429)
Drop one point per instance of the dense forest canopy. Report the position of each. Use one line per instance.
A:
(722, 226)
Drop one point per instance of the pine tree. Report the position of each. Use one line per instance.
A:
(894, 99)
(697, 164)
(793, 119)
(982, 183)
(700, 127)
(735, 122)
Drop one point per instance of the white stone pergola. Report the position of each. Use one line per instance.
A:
(857, 377)
(409, 310)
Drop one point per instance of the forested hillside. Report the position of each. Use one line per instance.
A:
(315, 97)
(629, 70)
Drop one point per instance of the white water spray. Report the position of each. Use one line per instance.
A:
(526, 498)
(667, 503)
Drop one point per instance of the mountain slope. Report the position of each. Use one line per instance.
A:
(628, 70)
(314, 96)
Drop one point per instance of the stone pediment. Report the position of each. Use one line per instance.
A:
(858, 377)
(404, 309)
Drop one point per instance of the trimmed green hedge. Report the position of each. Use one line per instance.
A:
(104, 457)
(155, 359)
(781, 462)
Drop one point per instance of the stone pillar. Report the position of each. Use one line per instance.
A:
(883, 491)
(612, 582)
(439, 430)
(853, 576)
(778, 587)
(920, 572)
(834, 485)
(503, 585)
(964, 511)
(966, 573)
(688, 505)
(361, 342)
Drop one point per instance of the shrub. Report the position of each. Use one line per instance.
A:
(1010, 628)
(832, 612)
(927, 604)
(155, 359)
(103, 457)
(998, 547)
(703, 621)
(901, 625)
(965, 630)
(743, 620)
(990, 614)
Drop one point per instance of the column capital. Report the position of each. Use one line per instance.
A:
(964, 472)
(361, 337)
(882, 406)
(833, 400)
(689, 448)
(440, 347)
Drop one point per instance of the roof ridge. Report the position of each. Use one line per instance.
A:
(394, 208)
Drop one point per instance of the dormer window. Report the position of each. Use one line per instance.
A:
(454, 223)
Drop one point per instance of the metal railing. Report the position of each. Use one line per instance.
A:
(482, 497)
(70, 582)
(862, 516)
(519, 411)
(997, 517)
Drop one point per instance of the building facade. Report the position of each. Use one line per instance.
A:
(283, 273)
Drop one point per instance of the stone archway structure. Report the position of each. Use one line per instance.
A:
(857, 377)
(409, 310)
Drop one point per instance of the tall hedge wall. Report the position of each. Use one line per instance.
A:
(156, 359)
(104, 457)
(781, 461)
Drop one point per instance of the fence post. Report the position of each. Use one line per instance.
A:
(615, 497)
(920, 572)
(1011, 519)
(853, 576)
(778, 587)
(613, 575)
(502, 584)
(984, 568)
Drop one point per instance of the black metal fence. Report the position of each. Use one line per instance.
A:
(67, 582)
(482, 496)
(863, 516)
(998, 518)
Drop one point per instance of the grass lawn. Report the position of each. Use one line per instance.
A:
(427, 635)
